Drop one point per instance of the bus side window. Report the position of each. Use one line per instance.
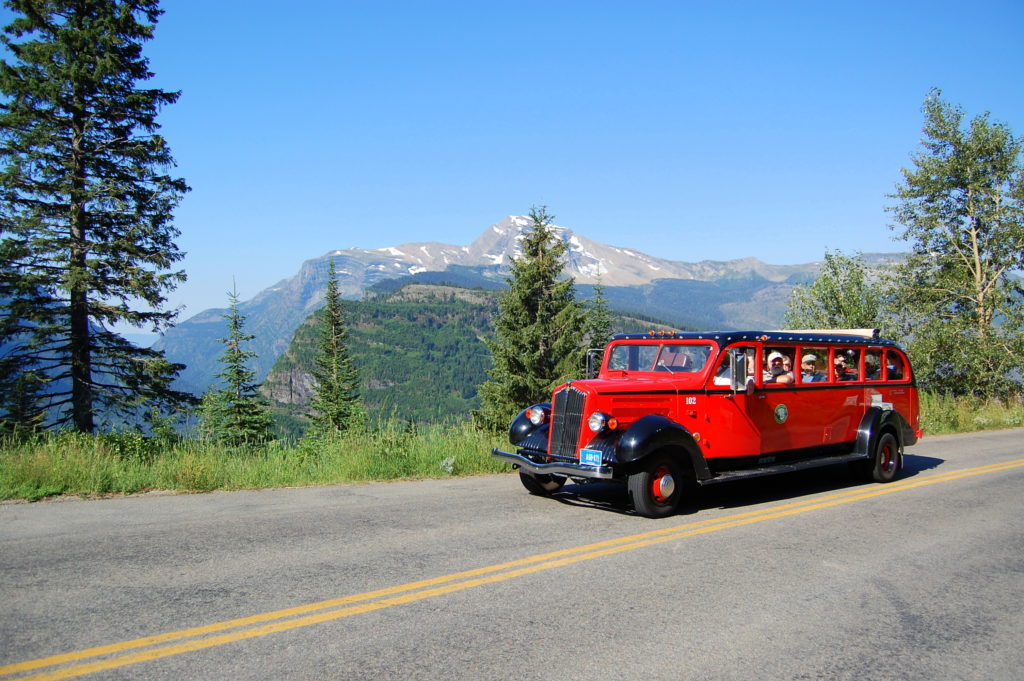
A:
(845, 364)
(812, 365)
(893, 366)
(723, 371)
(873, 365)
(853, 360)
(778, 366)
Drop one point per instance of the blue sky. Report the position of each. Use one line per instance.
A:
(688, 130)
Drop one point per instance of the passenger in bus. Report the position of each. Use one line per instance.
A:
(894, 367)
(776, 372)
(843, 372)
(809, 369)
(724, 374)
(871, 368)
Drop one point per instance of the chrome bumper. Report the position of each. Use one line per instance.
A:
(572, 470)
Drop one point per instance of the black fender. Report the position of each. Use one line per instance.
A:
(653, 433)
(522, 427)
(877, 421)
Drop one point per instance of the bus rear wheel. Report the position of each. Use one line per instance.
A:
(886, 459)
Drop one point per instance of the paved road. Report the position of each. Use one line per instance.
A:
(810, 576)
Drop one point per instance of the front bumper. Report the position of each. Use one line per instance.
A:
(572, 470)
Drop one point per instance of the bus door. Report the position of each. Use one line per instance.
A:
(731, 431)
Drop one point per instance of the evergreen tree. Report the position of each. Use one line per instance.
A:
(336, 400)
(845, 295)
(86, 240)
(21, 402)
(599, 318)
(959, 297)
(21, 386)
(236, 414)
(539, 331)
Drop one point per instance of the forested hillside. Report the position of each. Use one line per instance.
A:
(419, 349)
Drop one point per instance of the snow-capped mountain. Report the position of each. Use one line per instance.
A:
(726, 294)
(586, 260)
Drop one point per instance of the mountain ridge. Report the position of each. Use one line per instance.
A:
(587, 261)
(633, 281)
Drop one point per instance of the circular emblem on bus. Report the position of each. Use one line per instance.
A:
(781, 413)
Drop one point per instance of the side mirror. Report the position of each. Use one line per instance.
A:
(739, 370)
(594, 357)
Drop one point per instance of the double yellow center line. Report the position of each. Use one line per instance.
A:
(78, 663)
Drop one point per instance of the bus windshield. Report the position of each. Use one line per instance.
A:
(672, 358)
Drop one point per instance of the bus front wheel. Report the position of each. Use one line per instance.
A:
(541, 485)
(657, 487)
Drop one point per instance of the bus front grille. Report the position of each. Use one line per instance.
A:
(565, 422)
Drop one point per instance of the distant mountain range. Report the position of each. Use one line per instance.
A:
(586, 260)
(730, 294)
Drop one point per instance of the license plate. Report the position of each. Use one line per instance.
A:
(590, 457)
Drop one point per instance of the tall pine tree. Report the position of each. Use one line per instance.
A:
(539, 331)
(86, 202)
(336, 402)
(599, 318)
(236, 414)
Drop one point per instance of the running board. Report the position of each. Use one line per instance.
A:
(788, 467)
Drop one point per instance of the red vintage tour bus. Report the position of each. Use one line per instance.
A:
(668, 408)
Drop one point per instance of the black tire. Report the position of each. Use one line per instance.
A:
(542, 485)
(657, 487)
(885, 460)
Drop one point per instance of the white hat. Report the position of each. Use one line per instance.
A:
(774, 356)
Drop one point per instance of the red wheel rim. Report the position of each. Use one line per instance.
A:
(662, 484)
(888, 461)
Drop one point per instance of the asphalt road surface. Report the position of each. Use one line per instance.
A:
(812, 575)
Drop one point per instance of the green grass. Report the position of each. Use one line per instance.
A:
(122, 463)
(53, 464)
(944, 414)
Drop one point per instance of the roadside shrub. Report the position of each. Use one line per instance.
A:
(944, 414)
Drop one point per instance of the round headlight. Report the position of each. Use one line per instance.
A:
(536, 415)
(599, 422)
